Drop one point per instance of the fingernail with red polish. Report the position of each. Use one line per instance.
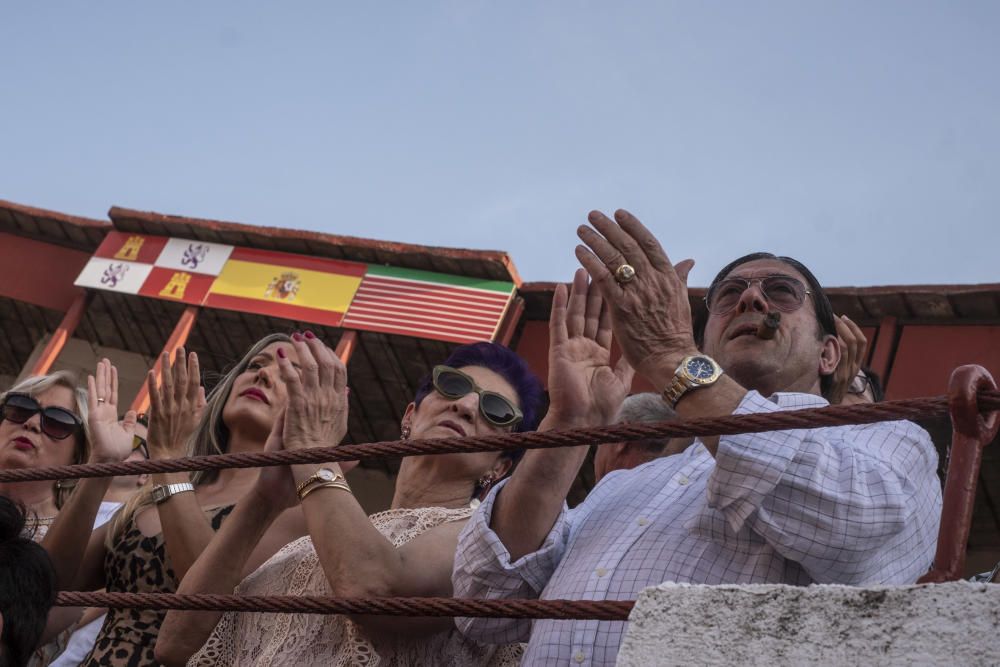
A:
(297, 337)
(310, 335)
(281, 352)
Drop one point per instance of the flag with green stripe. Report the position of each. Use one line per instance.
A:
(428, 305)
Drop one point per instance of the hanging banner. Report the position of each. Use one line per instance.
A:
(304, 288)
(429, 305)
(295, 287)
(155, 266)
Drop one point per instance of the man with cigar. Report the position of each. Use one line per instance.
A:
(853, 505)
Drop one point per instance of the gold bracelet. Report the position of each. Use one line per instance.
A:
(322, 485)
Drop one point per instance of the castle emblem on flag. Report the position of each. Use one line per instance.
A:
(114, 273)
(174, 289)
(194, 255)
(284, 287)
(130, 249)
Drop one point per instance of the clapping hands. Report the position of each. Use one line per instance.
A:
(111, 440)
(584, 387)
(175, 405)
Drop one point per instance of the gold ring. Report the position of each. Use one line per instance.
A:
(625, 274)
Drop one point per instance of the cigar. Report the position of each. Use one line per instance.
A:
(770, 326)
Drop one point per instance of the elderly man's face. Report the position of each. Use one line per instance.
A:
(791, 361)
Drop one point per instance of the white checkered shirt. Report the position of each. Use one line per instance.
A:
(853, 505)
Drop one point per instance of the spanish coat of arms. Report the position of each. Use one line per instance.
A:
(284, 287)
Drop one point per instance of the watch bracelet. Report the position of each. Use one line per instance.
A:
(333, 484)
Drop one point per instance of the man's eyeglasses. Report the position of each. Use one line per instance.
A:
(57, 423)
(784, 293)
(495, 408)
(860, 384)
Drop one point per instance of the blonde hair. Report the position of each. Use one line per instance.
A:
(210, 436)
(35, 385)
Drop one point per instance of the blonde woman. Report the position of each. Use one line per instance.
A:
(151, 543)
(407, 550)
(43, 422)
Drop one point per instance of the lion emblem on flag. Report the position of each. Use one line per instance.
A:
(284, 287)
(113, 275)
(194, 255)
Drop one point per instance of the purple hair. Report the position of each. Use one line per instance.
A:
(507, 364)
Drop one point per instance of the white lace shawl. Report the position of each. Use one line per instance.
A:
(243, 639)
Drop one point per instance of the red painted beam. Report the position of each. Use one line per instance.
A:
(177, 340)
(39, 273)
(505, 332)
(346, 345)
(62, 334)
(881, 355)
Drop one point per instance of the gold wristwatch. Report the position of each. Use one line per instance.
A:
(321, 476)
(694, 372)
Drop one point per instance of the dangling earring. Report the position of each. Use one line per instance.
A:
(404, 432)
(481, 488)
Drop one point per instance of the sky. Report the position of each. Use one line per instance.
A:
(862, 138)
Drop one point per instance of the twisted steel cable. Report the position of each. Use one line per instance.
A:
(599, 610)
(835, 415)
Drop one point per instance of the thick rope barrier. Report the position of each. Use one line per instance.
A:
(587, 610)
(836, 415)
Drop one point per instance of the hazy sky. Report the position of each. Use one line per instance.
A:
(861, 137)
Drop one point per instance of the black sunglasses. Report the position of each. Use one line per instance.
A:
(138, 442)
(496, 408)
(57, 423)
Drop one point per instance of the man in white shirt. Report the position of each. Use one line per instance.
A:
(851, 505)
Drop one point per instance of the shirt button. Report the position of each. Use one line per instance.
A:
(579, 657)
(642, 521)
(601, 571)
(683, 481)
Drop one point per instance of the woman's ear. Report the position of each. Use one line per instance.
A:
(501, 466)
(406, 423)
(829, 355)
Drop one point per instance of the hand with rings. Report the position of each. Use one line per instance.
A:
(645, 292)
(111, 440)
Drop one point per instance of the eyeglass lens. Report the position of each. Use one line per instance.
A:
(783, 292)
(56, 423)
(497, 409)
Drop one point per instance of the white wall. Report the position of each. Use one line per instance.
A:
(944, 624)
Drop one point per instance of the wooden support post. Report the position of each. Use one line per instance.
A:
(507, 328)
(177, 339)
(345, 346)
(62, 334)
(885, 342)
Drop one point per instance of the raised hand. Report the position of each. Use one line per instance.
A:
(175, 405)
(111, 441)
(583, 386)
(853, 346)
(276, 484)
(650, 312)
(316, 415)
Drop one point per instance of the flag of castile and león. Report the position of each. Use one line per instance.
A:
(155, 266)
(428, 305)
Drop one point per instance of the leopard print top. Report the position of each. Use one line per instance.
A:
(137, 564)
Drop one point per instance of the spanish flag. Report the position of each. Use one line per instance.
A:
(293, 287)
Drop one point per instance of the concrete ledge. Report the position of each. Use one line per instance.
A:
(944, 624)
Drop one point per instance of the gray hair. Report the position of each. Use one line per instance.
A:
(37, 384)
(645, 408)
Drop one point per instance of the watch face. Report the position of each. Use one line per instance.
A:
(700, 368)
(325, 474)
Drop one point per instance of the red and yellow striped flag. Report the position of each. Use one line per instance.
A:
(294, 287)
